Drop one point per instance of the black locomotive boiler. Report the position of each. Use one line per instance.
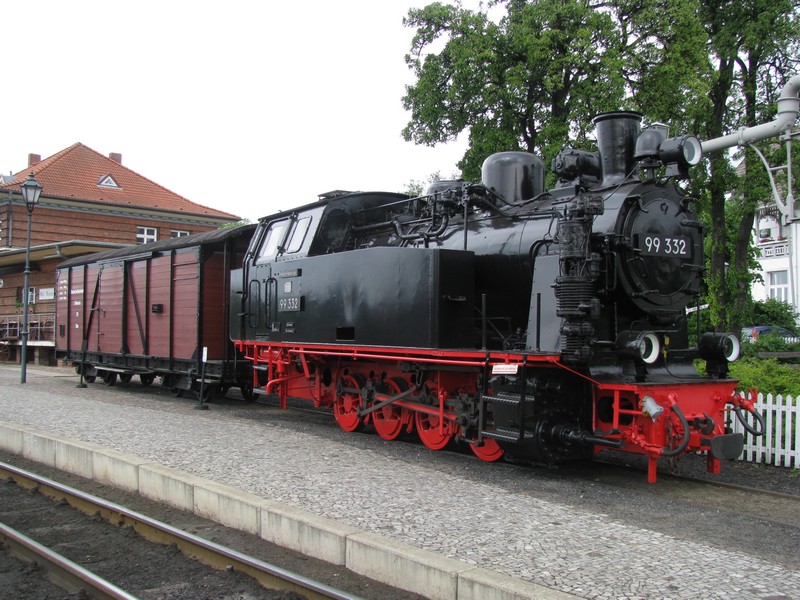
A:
(548, 325)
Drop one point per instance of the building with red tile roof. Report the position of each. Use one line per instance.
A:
(89, 202)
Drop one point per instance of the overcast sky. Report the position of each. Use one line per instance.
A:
(245, 106)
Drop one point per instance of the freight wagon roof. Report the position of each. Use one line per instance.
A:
(198, 239)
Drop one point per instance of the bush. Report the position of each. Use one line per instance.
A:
(775, 312)
(769, 343)
(766, 374)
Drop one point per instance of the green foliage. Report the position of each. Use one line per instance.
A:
(768, 343)
(753, 50)
(775, 312)
(236, 224)
(526, 82)
(417, 187)
(768, 375)
(699, 322)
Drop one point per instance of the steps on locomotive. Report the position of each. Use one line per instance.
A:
(508, 401)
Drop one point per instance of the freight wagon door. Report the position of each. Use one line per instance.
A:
(62, 310)
(186, 298)
(110, 300)
(136, 307)
(79, 288)
(70, 307)
(173, 297)
(214, 304)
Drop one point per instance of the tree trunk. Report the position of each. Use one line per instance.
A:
(717, 284)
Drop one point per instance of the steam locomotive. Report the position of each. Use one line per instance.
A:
(545, 325)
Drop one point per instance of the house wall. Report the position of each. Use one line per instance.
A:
(779, 259)
(43, 279)
(50, 225)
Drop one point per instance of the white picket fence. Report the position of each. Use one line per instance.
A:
(780, 445)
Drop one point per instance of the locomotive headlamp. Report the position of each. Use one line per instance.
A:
(719, 346)
(640, 345)
(684, 151)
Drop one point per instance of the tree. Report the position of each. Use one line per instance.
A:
(520, 84)
(417, 187)
(775, 312)
(753, 47)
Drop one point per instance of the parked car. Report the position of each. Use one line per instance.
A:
(751, 334)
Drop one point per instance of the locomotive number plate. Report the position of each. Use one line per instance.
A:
(290, 304)
(659, 245)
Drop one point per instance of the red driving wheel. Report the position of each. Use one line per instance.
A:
(348, 402)
(429, 433)
(490, 451)
(389, 420)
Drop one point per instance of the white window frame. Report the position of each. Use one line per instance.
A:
(145, 235)
(778, 289)
(177, 233)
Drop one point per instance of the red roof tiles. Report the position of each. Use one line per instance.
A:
(76, 171)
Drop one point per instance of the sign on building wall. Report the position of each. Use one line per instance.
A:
(47, 294)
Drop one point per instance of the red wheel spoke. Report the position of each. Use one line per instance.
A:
(429, 431)
(346, 405)
(389, 420)
(490, 451)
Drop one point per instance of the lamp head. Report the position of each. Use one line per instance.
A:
(31, 189)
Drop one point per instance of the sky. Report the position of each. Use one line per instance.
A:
(245, 106)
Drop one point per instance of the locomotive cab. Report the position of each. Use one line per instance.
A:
(334, 273)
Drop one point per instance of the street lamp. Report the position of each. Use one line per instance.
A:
(30, 193)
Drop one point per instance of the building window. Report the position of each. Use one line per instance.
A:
(145, 235)
(31, 295)
(778, 285)
(107, 181)
(176, 233)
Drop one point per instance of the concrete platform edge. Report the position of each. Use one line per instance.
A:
(366, 553)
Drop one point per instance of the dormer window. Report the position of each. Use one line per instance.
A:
(108, 182)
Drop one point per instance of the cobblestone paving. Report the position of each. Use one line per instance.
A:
(586, 554)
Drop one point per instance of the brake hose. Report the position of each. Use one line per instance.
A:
(667, 452)
(759, 417)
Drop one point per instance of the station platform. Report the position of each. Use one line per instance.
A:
(390, 513)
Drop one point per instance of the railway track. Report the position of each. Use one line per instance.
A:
(74, 577)
(58, 569)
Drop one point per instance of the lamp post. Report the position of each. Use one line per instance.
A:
(30, 193)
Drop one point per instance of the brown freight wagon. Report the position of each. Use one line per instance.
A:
(154, 310)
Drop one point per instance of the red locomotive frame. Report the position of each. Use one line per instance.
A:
(290, 370)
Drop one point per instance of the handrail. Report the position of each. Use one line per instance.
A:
(41, 327)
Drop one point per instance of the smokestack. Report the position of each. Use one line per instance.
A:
(33, 159)
(116, 157)
(616, 140)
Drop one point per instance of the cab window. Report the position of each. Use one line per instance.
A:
(276, 241)
(274, 236)
(298, 235)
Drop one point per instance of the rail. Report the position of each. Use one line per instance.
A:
(205, 551)
(58, 568)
